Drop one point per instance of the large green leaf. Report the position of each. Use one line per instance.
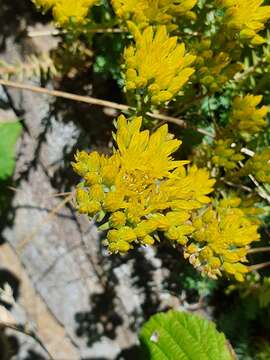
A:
(9, 133)
(183, 336)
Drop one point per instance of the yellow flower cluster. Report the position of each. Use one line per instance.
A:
(247, 205)
(224, 155)
(153, 12)
(156, 64)
(141, 195)
(245, 117)
(214, 62)
(65, 10)
(221, 241)
(247, 17)
(259, 166)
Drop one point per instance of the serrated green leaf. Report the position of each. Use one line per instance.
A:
(9, 133)
(183, 336)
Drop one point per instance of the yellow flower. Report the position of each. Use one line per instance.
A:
(155, 150)
(156, 63)
(245, 117)
(120, 240)
(152, 12)
(119, 246)
(110, 170)
(224, 155)
(201, 185)
(189, 190)
(246, 17)
(97, 192)
(230, 202)
(221, 241)
(64, 10)
(114, 201)
(148, 240)
(117, 219)
(145, 227)
(216, 62)
(92, 177)
(87, 204)
(86, 163)
(238, 270)
(127, 234)
(149, 192)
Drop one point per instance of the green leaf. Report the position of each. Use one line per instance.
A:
(9, 133)
(183, 336)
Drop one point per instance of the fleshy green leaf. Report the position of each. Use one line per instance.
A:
(183, 336)
(9, 133)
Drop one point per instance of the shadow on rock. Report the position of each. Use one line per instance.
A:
(107, 310)
(14, 16)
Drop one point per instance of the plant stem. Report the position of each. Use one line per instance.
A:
(259, 250)
(56, 32)
(65, 95)
(98, 102)
(27, 333)
(259, 266)
(241, 76)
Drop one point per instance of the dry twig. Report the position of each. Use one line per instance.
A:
(55, 32)
(259, 250)
(99, 102)
(259, 266)
(27, 333)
